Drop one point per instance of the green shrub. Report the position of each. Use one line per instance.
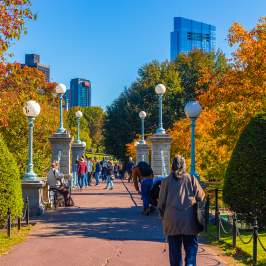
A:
(10, 185)
(245, 180)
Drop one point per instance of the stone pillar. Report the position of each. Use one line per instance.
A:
(160, 148)
(34, 191)
(142, 153)
(78, 150)
(61, 148)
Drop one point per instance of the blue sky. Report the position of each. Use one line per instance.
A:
(106, 41)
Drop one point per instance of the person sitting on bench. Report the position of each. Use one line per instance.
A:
(54, 180)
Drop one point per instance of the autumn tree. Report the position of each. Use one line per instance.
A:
(19, 85)
(13, 16)
(232, 99)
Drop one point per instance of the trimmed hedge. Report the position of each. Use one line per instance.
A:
(10, 185)
(245, 180)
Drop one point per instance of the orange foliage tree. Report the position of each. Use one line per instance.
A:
(230, 102)
(18, 85)
(13, 15)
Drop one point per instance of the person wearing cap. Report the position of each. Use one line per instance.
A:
(179, 193)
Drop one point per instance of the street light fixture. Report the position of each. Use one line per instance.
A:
(60, 89)
(160, 91)
(142, 116)
(193, 110)
(31, 109)
(78, 116)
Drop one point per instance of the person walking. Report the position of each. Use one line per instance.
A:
(90, 171)
(179, 193)
(129, 167)
(82, 170)
(97, 172)
(109, 176)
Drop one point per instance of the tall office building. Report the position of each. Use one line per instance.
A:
(80, 93)
(33, 60)
(190, 34)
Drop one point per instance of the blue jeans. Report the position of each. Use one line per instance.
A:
(109, 182)
(190, 243)
(97, 176)
(81, 180)
(85, 180)
(146, 185)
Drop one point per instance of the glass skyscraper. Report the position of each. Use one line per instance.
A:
(190, 34)
(79, 93)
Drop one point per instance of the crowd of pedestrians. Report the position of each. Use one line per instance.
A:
(89, 171)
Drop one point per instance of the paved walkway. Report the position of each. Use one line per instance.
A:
(106, 229)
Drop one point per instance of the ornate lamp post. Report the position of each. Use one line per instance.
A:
(193, 110)
(78, 116)
(31, 109)
(160, 91)
(142, 116)
(60, 89)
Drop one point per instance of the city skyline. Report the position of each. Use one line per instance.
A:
(110, 44)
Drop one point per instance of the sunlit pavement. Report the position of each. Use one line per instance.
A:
(104, 228)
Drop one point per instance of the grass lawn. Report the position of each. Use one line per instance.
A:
(243, 252)
(16, 237)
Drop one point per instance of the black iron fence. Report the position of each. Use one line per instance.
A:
(229, 226)
(23, 219)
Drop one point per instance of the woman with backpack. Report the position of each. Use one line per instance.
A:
(179, 194)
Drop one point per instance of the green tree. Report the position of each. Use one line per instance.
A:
(91, 125)
(245, 180)
(122, 122)
(10, 185)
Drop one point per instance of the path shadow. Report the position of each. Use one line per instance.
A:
(106, 223)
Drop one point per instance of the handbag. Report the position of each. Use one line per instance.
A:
(199, 210)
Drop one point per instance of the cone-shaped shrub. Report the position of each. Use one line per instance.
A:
(10, 185)
(245, 180)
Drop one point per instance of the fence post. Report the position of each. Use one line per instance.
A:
(19, 223)
(216, 206)
(234, 230)
(9, 222)
(27, 211)
(218, 226)
(255, 241)
(207, 209)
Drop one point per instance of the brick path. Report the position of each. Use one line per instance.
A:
(105, 229)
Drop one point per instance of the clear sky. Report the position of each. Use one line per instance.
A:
(106, 41)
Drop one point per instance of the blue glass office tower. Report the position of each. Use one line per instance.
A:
(190, 34)
(79, 93)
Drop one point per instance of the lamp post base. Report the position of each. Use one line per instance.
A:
(160, 131)
(142, 153)
(33, 189)
(60, 130)
(30, 176)
(160, 154)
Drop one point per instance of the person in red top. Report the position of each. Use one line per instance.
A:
(82, 170)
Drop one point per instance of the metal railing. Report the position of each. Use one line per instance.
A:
(234, 230)
(24, 217)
